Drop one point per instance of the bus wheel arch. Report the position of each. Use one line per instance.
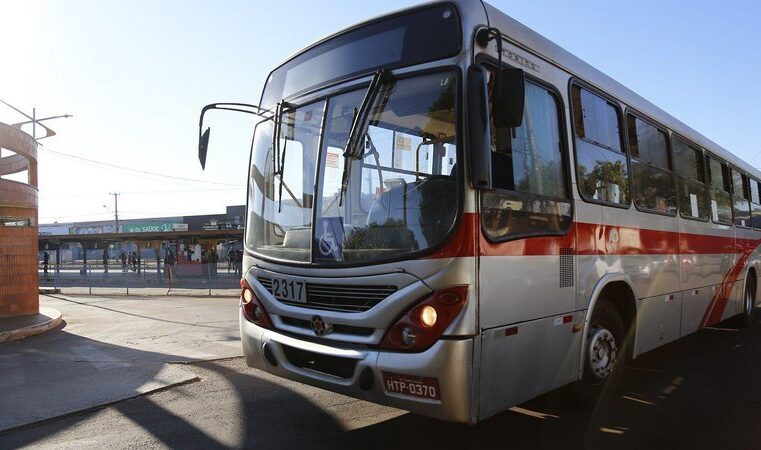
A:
(607, 340)
(617, 292)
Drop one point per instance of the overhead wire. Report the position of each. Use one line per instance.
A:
(131, 169)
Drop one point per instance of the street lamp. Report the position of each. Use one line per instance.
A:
(34, 120)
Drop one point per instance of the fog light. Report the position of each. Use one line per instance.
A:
(428, 315)
(248, 295)
(409, 335)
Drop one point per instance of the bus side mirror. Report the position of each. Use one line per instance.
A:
(479, 131)
(509, 98)
(203, 147)
(203, 136)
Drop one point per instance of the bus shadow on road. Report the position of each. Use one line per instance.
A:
(697, 393)
(106, 379)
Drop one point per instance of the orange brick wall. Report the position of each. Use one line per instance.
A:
(19, 283)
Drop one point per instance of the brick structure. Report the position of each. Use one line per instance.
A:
(19, 283)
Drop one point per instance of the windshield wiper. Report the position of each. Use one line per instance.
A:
(278, 156)
(353, 150)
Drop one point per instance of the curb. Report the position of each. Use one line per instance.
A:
(54, 320)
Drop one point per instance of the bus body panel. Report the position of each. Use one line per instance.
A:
(522, 361)
(520, 288)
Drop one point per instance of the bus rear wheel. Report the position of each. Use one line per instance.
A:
(604, 352)
(747, 318)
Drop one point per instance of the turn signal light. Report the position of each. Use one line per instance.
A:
(424, 323)
(253, 309)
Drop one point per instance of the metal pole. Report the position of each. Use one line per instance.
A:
(34, 123)
(116, 210)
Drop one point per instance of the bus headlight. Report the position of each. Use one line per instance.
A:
(409, 336)
(253, 309)
(426, 322)
(247, 295)
(428, 315)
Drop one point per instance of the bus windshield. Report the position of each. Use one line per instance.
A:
(399, 195)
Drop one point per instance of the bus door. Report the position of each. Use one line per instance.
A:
(527, 262)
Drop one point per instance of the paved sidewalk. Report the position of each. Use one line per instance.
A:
(109, 349)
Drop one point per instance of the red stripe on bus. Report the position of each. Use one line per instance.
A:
(590, 239)
(719, 301)
(600, 239)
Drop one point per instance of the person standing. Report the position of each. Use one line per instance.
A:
(230, 259)
(123, 257)
(45, 262)
(168, 263)
(105, 260)
(214, 261)
(239, 263)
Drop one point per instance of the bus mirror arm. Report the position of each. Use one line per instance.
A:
(203, 136)
(479, 131)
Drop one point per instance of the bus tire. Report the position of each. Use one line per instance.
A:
(604, 354)
(748, 317)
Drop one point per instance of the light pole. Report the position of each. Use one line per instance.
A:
(116, 209)
(34, 120)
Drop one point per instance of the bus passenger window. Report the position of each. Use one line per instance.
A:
(652, 178)
(719, 188)
(755, 204)
(601, 165)
(528, 172)
(693, 193)
(740, 196)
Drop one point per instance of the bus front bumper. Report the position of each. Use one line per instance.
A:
(360, 373)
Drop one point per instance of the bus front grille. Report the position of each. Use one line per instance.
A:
(339, 297)
(336, 327)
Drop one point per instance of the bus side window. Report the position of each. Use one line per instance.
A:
(530, 193)
(755, 204)
(690, 170)
(652, 178)
(719, 190)
(601, 166)
(740, 196)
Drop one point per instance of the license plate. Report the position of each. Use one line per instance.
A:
(289, 290)
(414, 386)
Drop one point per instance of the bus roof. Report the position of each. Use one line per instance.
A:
(558, 56)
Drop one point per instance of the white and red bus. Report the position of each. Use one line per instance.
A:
(450, 214)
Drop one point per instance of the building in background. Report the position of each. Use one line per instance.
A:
(19, 283)
(232, 219)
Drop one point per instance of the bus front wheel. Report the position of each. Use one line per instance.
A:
(604, 352)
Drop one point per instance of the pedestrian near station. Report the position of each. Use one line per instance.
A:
(45, 263)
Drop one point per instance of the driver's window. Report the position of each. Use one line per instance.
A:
(528, 172)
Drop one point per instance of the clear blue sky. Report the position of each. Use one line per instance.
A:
(135, 75)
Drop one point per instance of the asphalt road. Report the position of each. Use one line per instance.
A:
(699, 393)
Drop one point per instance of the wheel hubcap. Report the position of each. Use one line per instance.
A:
(602, 353)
